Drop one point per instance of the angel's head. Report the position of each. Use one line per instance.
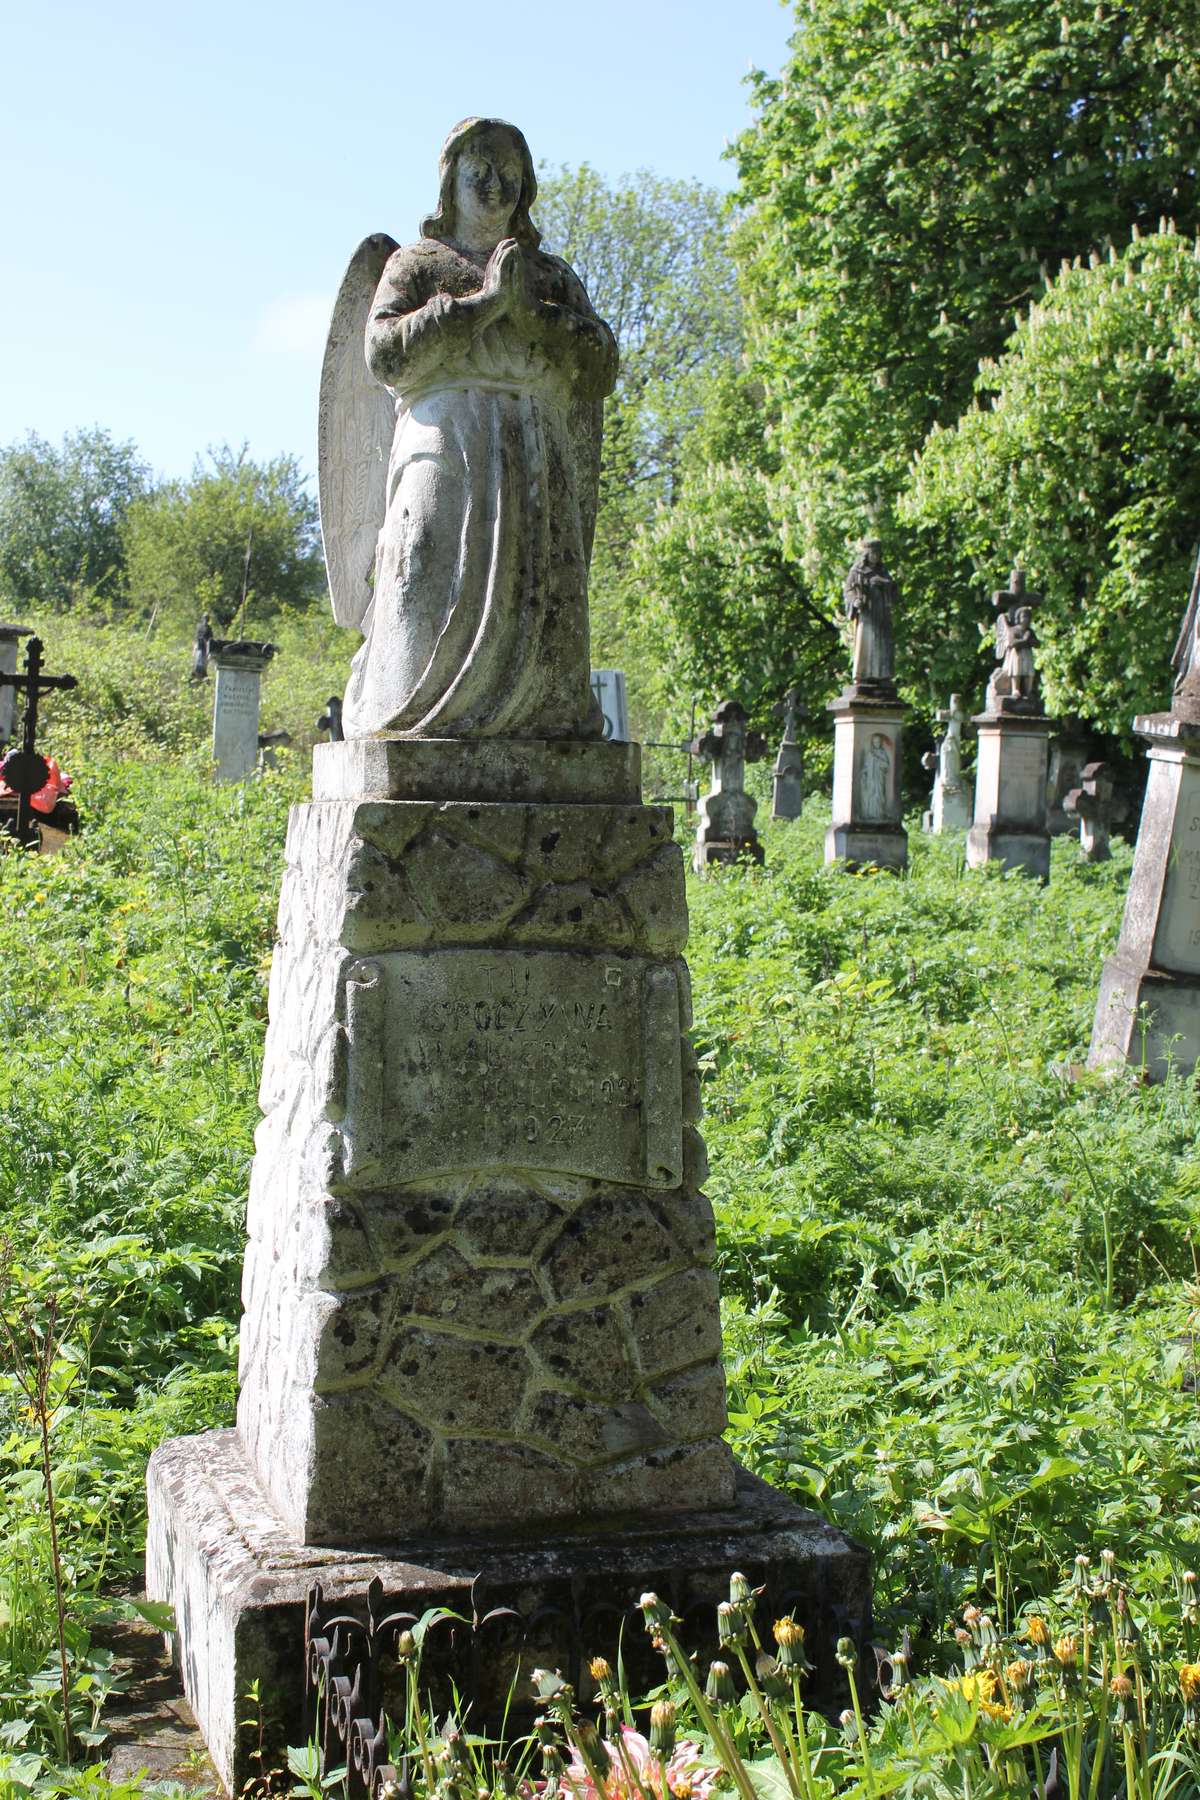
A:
(486, 185)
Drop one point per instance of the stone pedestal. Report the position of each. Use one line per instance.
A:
(1010, 791)
(950, 809)
(478, 1288)
(866, 826)
(10, 638)
(239, 664)
(1148, 1009)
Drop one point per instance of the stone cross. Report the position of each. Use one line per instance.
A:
(787, 787)
(726, 831)
(239, 664)
(950, 807)
(330, 720)
(1092, 804)
(24, 771)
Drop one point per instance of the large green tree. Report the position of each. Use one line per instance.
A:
(1081, 456)
(236, 531)
(914, 176)
(62, 515)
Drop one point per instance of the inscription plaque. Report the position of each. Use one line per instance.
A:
(548, 1060)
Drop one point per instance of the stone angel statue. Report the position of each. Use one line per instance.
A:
(1015, 677)
(459, 455)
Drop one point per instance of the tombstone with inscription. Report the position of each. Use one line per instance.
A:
(1096, 808)
(867, 720)
(950, 803)
(1009, 825)
(787, 785)
(481, 1348)
(1148, 1009)
(608, 685)
(10, 638)
(239, 663)
(725, 833)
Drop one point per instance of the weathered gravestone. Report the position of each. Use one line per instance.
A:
(1069, 751)
(950, 803)
(480, 1352)
(787, 785)
(1148, 1009)
(1009, 825)
(1094, 806)
(239, 664)
(725, 833)
(10, 638)
(608, 685)
(867, 720)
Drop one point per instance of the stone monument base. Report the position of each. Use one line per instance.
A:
(218, 1552)
(883, 846)
(1010, 791)
(1148, 1009)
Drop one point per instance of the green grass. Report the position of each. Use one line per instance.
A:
(956, 1268)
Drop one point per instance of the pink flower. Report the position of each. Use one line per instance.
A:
(688, 1776)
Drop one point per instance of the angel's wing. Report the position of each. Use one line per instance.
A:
(1002, 635)
(354, 436)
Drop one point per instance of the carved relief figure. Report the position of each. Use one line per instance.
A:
(950, 748)
(868, 596)
(875, 778)
(459, 462)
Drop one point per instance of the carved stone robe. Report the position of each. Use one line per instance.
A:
(478, 621)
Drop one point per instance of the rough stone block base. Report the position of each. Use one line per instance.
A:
(1166, 1035)
(880, 846)
(997, 843)
(216, 1550)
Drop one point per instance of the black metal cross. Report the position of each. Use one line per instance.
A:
(24, 771)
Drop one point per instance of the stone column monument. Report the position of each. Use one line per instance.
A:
(10, 638)
(787, 786)
(481, 1347)
(950, 804)
(867, 720)
(1009, 826)
(725, 833)
(1094, 805)
(239, 663)
(1148, 1009)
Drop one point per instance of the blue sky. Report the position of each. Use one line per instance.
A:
(184, 182)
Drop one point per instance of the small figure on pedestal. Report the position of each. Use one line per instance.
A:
(787, 788)
(726, 831)
(201, 647)
(950, 806)
(1009, 825)
(868, 716)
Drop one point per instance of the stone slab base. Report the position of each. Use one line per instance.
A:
(1028, 850)
(218, 1553)
(881, 846)
(1171, 1037)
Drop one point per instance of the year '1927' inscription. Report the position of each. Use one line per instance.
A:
(551, 1060)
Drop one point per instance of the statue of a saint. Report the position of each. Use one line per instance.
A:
(201, 646)
(459, 463)
(950, 748)
(869, 595)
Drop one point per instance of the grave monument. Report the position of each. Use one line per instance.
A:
(1069, 751)
(1009, 825)
(1093, 805)
(867, 720)
(950, 804)
(10, 638)
(239, 663)
(787, 785)
(1148, 1009)
(725, 833)
(481, 1349)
